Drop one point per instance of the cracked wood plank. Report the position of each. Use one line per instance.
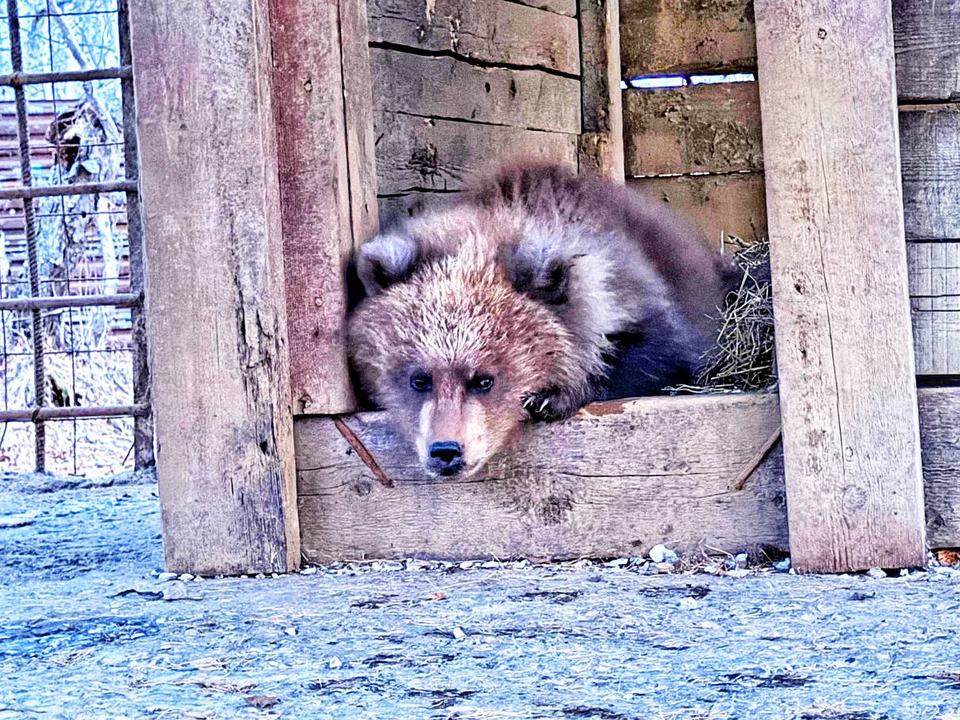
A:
(327, 182)
(927, 39)
(844, 344)
(445, 87)
(215, 286)
(614, 481)
(489, 31)
(416, 153)
(663, 37)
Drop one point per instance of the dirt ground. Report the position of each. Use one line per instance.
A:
(89, 629)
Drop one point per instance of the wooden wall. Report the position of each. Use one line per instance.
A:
(700, 148)
(697, 147)
(927, 39)
(458, 84)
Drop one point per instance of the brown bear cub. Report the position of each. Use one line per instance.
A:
(530, 296)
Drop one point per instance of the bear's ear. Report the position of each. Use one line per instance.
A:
(538, 271)
(386, 259)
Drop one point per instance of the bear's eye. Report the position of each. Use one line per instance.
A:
(480, 384)
(421, 381)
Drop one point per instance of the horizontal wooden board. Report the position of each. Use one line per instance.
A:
(445, 87)
(698, 128)
(940, 451)
(415, 153)
(930, 164)
(927, 42)
(491, 31)
(661, 37)
(935, 306)
(720, 205)
(615, 481)
(563, 7)
(408, 204)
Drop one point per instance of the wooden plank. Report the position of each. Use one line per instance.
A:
(614, 481)
(449, 88)
(940, 445)
(327, 208)
(844, 344)
(699, 128)
(358, 114)
(935, 306)
(927, 43)
(664, 37)
(930, 163)
(423, 153)
(552, 497)
(720, 205)
(601, 144)
(490, 31)
(563, 7)
(215, 286)
(408, 204)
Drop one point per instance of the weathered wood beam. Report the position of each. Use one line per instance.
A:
(601, 139)
(927, 44)
(415, 154)
(663, 37)
(215, 286)
(492, 32)
(838, 259)
(447, 88)
(322, 99)
(694, 129)
(614, 481)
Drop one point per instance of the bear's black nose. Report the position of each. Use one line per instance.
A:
(446, 457)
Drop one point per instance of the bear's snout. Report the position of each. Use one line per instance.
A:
(446, 458)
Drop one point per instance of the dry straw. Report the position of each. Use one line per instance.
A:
(743, 357)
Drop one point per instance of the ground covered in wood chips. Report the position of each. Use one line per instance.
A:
(89, 629)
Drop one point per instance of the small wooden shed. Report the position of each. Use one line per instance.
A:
(273, 135)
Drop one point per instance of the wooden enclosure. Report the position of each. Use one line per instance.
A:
(329, 117)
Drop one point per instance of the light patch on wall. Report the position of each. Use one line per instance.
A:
(660, 82)
(722, 79)
(657, 82)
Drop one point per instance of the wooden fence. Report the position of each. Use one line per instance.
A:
(389, 103)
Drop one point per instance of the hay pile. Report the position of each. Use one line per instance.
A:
(743, 358)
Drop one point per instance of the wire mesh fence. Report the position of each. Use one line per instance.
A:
(74, 394)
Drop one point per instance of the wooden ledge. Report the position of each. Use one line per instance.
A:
(613, 481)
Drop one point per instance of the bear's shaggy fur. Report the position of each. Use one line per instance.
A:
(530, 296)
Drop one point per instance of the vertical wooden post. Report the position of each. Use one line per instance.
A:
(324, 114)
(601, 142)
(215, 297)
(844, 346)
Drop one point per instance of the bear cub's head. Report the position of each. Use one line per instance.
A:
(446, 343)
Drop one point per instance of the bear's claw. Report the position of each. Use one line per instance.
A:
(549, 405)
